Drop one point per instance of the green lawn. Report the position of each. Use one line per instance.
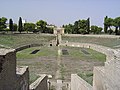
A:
(87, 76)
(44, 51)
(109, 42)
(76, 52)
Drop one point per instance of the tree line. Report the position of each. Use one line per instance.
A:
(112, 22)
(39, 26)
(111, 26)
(83, 27)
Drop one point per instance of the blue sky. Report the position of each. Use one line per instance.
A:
(60, 12)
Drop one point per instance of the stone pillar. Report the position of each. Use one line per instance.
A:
(8, 69)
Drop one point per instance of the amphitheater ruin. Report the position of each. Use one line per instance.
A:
(104, 77)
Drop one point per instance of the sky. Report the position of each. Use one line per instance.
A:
(60, 12)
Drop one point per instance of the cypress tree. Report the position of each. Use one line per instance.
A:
(88, 25)
(20, 27)
(11, 25)
(105, 24)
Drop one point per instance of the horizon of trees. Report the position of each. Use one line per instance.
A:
(112, 22)
(82, 27)
(79, 26)
(39, 26)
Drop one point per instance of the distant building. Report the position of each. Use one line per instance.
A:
(51, 26)
(24, 21)
(59, 30)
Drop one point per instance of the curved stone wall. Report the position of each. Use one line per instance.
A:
(27, 46)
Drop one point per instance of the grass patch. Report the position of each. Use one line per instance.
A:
(87, 76)
(33, 77)
(76, 52)
(44, 51)
(17, 40)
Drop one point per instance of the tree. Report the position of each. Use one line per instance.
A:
(75, 28)
(68, 28)
(11, 25)
(41, 25)
(105, 24)
(29, 27)
(117, 25)
(88, 25)
(108, 23)
(95, 29)
(20, 27)
(49, 30)
(82, 25)
(3, 23)
(14, 27)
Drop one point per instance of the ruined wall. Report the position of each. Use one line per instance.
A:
(40, 83)
(110, 78)
(10, 77)
(107, 77)
(22, 82)
(98, 78)
(77, 83)
(8, 69)
(112, 75)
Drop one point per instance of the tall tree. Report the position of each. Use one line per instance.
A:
(41, 25)
(108, 23)
(88, 25)
(82, 26)
(105, 24)
(3, 23)
(117, 25)
(75, 28)
(11, 25)
(20, 27)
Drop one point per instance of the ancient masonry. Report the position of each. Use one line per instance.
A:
(17, 78)
(105, 77)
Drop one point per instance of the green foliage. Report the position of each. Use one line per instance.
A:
(49, 30)
(82, 31)
(3, 23)
(29, 27)
(33, 77)
(44, 51)
(11, 25)
(108, 22)
(117, 25)
(88, 25)
(87, 76)
(79, 27)
(68, 28)
(105, 25)
(41, 26)
(20, 26)
(14, 27)
(96, 29)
